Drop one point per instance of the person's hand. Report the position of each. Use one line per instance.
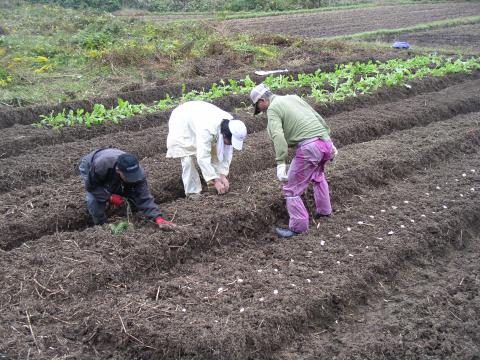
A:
(116, 200)
(216, 186)
(219, 186)
(225, 182)
(165, 224)
(282, 172)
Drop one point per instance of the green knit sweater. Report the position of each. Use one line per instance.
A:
(290, 121)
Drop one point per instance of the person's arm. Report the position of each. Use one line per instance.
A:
(204, 156)
(143, 200)
(275, 131)
(224, 166)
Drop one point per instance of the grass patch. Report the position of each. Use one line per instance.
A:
(50, 54)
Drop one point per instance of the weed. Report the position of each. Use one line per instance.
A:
(119, 228)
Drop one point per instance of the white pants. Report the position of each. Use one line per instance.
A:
(190, 177)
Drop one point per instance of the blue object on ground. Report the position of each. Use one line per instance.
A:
(285, 233)
(401, 45)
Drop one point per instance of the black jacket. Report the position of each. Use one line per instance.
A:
(101, 180)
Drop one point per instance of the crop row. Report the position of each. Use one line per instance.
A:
(347, 80)
(358, 125)
(122, 276)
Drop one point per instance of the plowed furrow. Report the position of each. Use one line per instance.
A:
(20, 139)
(248, 212)
(203, 309)
(64, 204)
(365, 124)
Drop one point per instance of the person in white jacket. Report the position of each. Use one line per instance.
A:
(201, 129)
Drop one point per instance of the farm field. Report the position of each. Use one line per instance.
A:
(392, 274)
(345, 22)
(466, 37)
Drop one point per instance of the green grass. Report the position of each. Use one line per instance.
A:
(50, 54)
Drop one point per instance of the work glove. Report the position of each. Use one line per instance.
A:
(282, 172)
(225, 182)
(116, 200)
(164, 224)
(335, 151)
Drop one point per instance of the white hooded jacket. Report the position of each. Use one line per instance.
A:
(193, 129)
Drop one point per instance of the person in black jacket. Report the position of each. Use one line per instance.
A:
(109, 176)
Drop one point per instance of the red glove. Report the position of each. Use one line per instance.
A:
(161, 221)
(116, 200)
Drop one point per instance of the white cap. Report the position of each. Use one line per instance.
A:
(239, 133)
(257, 92)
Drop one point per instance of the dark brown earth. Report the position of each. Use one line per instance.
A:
(206, 291)
(344, 22)
(464, 37)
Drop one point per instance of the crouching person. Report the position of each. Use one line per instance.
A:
(292, 122)
(202, 130)
(109, 176)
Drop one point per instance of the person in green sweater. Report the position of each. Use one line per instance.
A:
(292, 122)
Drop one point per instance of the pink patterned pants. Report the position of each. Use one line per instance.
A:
(308, 167)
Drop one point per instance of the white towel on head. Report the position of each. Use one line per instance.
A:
(223, 151)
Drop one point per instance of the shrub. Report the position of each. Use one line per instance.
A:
(5, 77)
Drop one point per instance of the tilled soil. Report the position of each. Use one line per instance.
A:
(20, 139)
(25, 170)
(27, 213)
(404, 187)
(222, 303)
(466, 37)
(430, 310)
(345, 22)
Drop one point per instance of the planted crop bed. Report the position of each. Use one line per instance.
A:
(405, 189)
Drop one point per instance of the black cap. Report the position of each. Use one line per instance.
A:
(129, 166)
